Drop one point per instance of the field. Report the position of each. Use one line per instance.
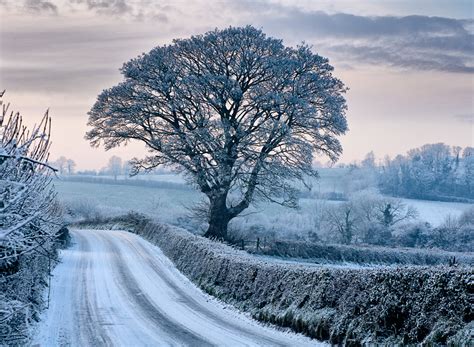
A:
(163, 204)
(167, 198)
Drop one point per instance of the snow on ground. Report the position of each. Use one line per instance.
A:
(170, 177)
(164, 204)
(168, 205)
(114, 288)
(435, 212)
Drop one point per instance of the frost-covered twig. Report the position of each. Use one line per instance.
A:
(29, 220)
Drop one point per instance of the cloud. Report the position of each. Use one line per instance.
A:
(413, 42)
(138, 11)
(87, 38)
(400, 56)
(40, 6)
(66, 56)
(114, 7)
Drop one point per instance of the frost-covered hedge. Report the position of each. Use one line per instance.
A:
(22, 290)
(361, 254)
(341, 305)
(22, 294)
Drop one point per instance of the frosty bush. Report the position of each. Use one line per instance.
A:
(455, 233)
(28, 214)
(366, 218)
(29, 219)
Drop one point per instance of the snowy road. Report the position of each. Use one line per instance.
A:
(114, 288)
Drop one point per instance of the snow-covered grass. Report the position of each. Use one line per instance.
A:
(392, 305)
(170, 205)
(435, 212)
(169, 177)
(167, 205)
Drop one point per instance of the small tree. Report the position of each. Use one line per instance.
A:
(70, 166)
(241, 114)
(115, 166)
(342, 220)
(61, 164)
(369, 160)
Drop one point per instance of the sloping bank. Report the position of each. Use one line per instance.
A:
(341, 305)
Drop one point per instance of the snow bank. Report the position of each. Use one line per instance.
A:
(342, 305)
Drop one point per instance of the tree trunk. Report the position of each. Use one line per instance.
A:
(219, 218)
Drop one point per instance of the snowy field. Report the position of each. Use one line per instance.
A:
(170, 205)
(170, 178)
(167, 205)
(435, 212)
(123, 291)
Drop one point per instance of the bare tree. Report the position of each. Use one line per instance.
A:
(115, 166)
(61, 164)
(383, 210)
(126, 168)
(369, 160)
(394, 212)
(70, 166)
(342, 220)
(241, 114)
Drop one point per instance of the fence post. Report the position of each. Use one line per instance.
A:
(258, 243)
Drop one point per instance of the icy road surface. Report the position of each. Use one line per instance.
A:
(113, 288)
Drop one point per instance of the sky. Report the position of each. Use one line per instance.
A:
(409, 65)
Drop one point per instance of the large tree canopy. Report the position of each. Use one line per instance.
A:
(241, 114)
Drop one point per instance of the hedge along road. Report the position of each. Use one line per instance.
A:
(114, 288)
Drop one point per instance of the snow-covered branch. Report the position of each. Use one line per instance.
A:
(27, 209)
(29, 220)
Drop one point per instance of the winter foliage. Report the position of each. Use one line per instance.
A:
(433, 171)
(29, 221)
(241, 114)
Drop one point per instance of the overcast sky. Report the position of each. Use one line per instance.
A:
(409, 64)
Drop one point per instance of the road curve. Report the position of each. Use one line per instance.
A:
(112, 288)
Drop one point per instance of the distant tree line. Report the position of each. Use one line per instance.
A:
(65, 166)
(115, 167)
(432, 171)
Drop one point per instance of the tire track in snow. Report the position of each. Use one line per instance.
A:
(173, 328)
(144, 253)
(93, 334)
